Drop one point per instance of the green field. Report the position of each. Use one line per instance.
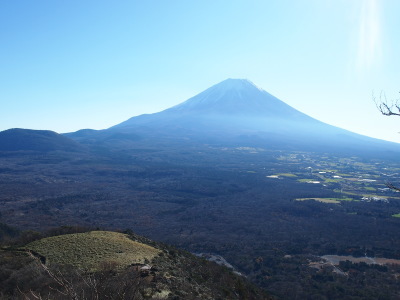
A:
(305, 180)
(91, 250)
(286, 175)
(369, 188)
(336, 180)
(326, 200)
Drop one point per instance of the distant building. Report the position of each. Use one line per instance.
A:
(377, 199)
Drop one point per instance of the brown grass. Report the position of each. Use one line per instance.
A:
(91, 250)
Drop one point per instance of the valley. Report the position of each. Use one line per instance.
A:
(220, 200)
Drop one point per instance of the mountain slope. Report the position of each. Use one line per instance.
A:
(18, 139)
(236, 112)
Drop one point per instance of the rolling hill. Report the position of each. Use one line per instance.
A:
(18, 139)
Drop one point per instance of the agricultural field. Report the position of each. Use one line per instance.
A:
(350, 178)
(326, 200)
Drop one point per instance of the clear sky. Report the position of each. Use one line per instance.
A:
(68, 65)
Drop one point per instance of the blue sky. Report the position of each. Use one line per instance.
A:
(68, 65)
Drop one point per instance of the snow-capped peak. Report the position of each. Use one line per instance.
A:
(230, 95)
(236, 84)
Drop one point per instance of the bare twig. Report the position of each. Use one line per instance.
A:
(386, 108)
(392, 186)
(59, 279)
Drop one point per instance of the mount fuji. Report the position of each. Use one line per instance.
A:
(236, 103)
(235, 112)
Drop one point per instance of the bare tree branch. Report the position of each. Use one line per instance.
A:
(388, 109)
(392, 186)
(385, 107)
(68, 287)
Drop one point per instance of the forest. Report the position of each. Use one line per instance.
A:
(271, 214)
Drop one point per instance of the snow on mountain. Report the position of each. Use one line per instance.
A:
(233, 96)
(235, 89)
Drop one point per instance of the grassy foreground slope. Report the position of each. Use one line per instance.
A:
(90, 250)
(112, 265)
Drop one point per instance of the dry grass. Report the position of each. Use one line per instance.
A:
(91, 250)
(323, 200)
